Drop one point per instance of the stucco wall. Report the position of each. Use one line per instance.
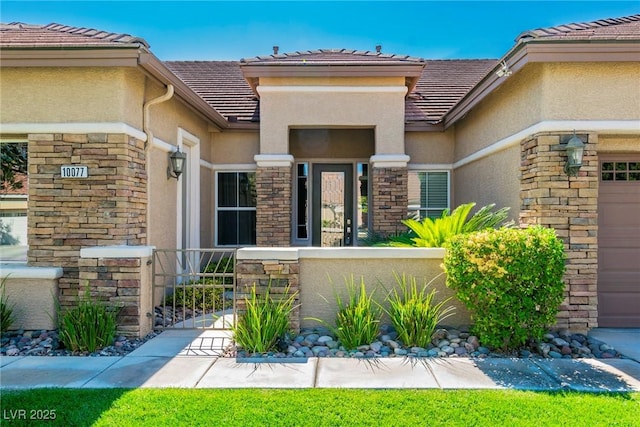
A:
(317, 105)
(596, 91)
(430, 147)
(317, 293)
(162, 200)
(332, 143)
(618, 143)
(234, 147)
(86, 94)
(494, 179)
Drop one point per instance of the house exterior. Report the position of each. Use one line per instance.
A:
(327, 147)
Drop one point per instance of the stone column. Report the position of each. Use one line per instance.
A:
(106, 208)
(569, 205)
(273, 205)
(389, 193)
(121, 276)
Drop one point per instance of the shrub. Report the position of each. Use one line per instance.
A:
(196, 295)
(89, 326)
(510, 280)
(265, 321)
(413, 312)
(6, 309)
(434, 233)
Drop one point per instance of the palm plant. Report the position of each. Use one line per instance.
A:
(434, 233)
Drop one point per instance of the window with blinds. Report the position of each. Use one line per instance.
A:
(428, 193)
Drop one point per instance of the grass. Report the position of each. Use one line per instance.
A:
(321, 407)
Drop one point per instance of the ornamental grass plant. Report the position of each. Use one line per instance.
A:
(88, 326)
(414, 312)
(6, 309)
(265, 320)
(357, 320)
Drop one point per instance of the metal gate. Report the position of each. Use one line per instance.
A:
(194, 288)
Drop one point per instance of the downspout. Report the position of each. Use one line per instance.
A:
(147, 130)
(145, 114)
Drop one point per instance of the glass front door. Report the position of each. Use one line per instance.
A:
(332, 205)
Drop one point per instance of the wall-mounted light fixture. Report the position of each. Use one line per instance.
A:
(176, 164)
(575, 152)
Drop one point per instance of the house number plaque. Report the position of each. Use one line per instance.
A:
(74, 171)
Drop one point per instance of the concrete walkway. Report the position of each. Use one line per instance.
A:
(190, 359)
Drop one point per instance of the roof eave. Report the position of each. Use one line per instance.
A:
(540, 50)
(252, 71)
(38, 56)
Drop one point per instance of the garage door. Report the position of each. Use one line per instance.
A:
(619, 242)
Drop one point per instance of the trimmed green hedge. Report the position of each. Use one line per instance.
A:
(510, 280)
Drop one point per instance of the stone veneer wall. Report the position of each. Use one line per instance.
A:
(389, 200)
(272, 274)
(123, 282)
(569, 204)
(107, 208)
(273, 206)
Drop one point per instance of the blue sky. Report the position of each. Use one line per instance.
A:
(218, 30)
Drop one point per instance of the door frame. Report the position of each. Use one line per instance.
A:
(316, 197)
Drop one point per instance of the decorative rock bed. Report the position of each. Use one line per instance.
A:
(447, 342)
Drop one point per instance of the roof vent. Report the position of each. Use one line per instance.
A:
(275, 50)
(378, 48)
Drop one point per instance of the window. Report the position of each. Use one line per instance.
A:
(14, 189)
(428, 194)
(236, 208)
(620, 171)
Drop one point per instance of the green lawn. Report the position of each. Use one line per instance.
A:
(317, 407)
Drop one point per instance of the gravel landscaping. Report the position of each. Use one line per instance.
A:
(319, 342)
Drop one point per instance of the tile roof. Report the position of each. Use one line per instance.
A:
(332, 57)
(18, 34)
(441, 86)
(222, 85)
(624, 28)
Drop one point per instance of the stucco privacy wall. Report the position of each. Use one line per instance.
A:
(32, 95)
(318, 273)
(31, 292)
(108, 207)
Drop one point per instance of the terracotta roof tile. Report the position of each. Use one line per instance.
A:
(222, 85)
(626, 27)
(17, 34)
(441, 86)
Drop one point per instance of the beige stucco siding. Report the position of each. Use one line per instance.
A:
(494, 179)
(366, 102)
(234, 147)
(551, 92)
(332, 143)
(162, 202)
(591, 91)
(80, 95)
(619, 143)
(513, 106)
(430, 147)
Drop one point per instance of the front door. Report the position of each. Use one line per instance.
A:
(332, 205)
